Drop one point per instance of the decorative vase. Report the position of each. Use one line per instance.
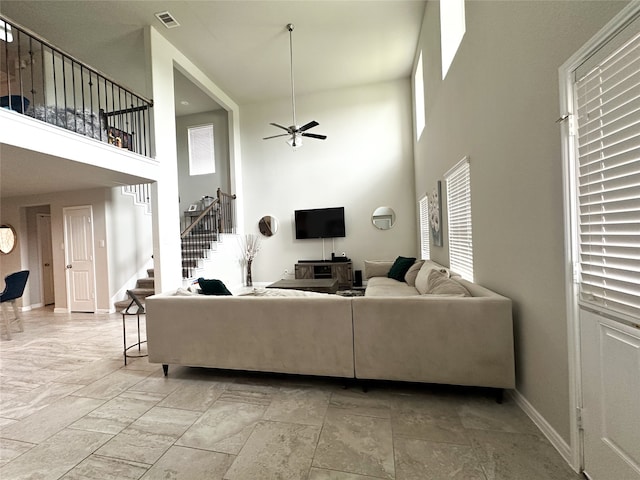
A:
(249, 280)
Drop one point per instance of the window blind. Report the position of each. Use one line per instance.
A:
(201, 150)
(425, 250)
(608, 179)
(459, 219)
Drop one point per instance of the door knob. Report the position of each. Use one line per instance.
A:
(47, 264)
(69, 266)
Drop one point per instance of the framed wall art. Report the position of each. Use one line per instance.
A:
(435, 214)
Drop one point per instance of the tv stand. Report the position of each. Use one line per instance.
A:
(342, 271)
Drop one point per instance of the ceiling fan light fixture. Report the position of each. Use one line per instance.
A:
(295, 132)
(295, 141)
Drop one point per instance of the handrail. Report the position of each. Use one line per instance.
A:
(204, 213)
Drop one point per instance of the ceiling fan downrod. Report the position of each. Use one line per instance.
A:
(290, 27)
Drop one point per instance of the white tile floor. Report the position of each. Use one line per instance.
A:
(70, 409)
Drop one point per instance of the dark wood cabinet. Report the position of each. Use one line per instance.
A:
(342, 271)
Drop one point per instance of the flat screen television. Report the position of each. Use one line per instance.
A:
(320, 223)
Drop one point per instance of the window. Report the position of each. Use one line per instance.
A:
(452, 29)
(201, 153)
(418, 95)
(607, 167)
(425, 250)
(459, 217)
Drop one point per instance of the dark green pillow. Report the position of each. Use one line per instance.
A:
(213, 287)
(400, 267)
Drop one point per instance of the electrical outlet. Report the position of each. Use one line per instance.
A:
(286, 271)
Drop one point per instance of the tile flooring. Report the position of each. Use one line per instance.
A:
(69, 409)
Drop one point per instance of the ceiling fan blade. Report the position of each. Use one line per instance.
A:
(309, 125)
(315, 135)
(275, 136)
(280, 126)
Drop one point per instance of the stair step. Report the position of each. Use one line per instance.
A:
(150, 272)
(145, 283)
(143, 292)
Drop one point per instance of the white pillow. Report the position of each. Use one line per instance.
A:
(423, 275)
(440, 283)
(412, 273)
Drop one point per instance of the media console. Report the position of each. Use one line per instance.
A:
(341, 271)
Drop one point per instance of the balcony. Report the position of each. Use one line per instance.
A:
(43, 82)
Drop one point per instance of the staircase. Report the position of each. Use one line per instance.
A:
(195, 249)
(201, 235)
(144, 288)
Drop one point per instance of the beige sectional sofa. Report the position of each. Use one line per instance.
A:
(394, 332)
(403, 333)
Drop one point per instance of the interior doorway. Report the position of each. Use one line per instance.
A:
(45, 255)
(79, 258)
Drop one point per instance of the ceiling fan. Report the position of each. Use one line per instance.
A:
(295, 132)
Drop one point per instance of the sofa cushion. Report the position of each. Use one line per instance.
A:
(213, 287)
(376, 268)
(388, 287)
(412, 273)
(423, 275)
(400, 267)
(439, 283)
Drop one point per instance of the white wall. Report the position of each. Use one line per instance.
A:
(498, 105)
(129, 243)
(366, 162)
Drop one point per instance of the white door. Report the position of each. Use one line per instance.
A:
(611, 397)
(78, 239)
(46, 258)
(603, 151)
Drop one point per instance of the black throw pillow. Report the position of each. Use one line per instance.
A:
(400, 267)
(213, 287)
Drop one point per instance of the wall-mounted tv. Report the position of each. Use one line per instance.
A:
(320, 223)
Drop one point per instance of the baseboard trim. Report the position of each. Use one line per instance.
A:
(60, 310)
(554, 437)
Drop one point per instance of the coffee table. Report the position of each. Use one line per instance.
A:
(320, 285)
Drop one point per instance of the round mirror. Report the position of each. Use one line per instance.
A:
(268, 225)
(383, 218)
(7, 238)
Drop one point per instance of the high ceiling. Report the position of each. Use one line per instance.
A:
(242, 45)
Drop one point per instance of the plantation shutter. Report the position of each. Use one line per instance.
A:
(608, 177)
(201, 150)
(459, 219)
(425, 250)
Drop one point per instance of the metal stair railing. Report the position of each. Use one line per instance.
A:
(198, 236)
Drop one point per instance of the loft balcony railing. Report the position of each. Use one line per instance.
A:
(43, 82)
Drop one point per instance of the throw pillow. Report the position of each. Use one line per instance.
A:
(400, 267)
(440, 283)
(183, 292)
(423, 275)
(213, 287)
(412, 273)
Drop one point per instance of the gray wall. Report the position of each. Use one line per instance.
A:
(498, 105)
(193, 188)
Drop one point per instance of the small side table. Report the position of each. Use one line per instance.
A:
(135, 308)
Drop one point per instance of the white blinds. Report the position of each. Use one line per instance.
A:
(608, 171)
(459, 219)
(425, 250)
(201, 150)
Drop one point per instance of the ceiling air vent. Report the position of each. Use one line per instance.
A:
(167, 19)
